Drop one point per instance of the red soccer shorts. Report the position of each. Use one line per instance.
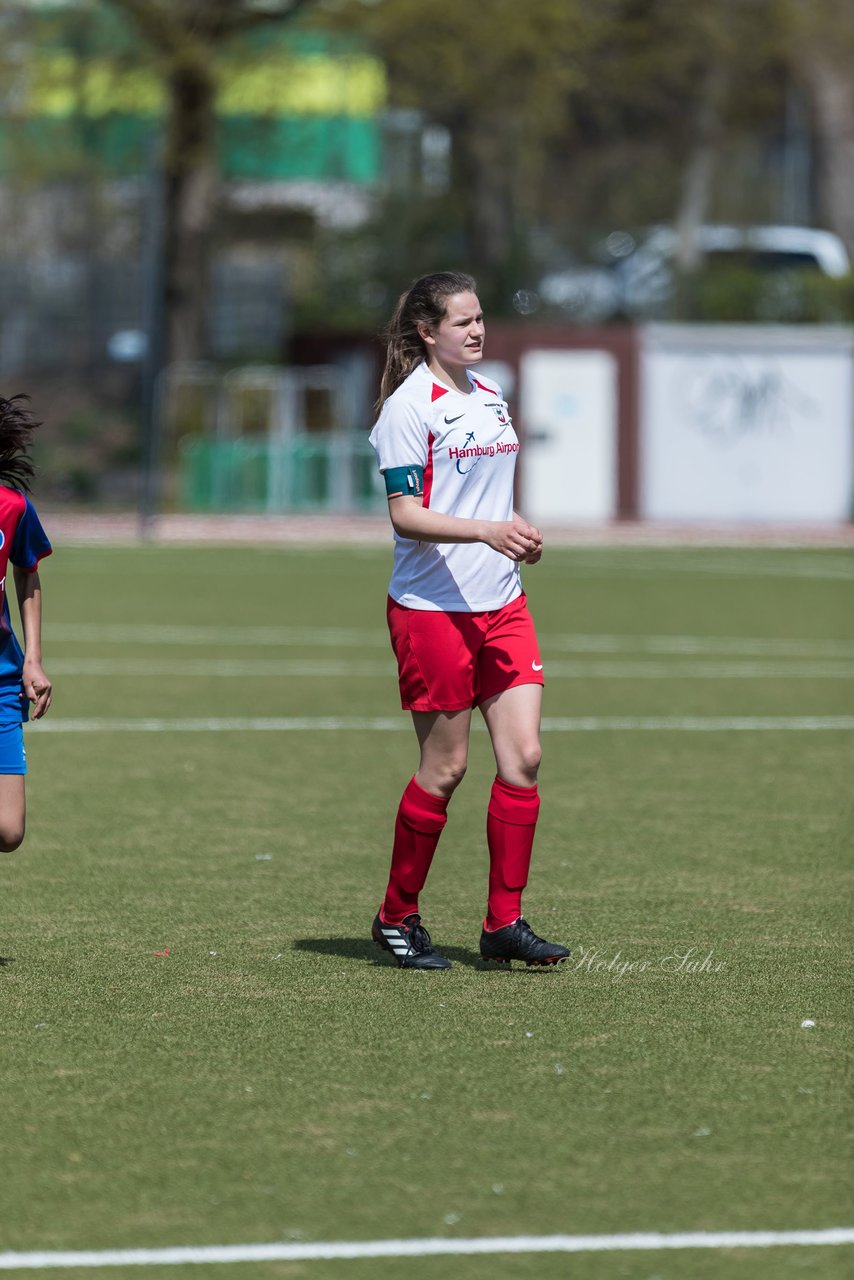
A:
(449, 661)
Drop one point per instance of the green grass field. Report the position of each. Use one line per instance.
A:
(275, 1078)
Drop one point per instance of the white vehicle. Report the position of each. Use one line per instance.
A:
(639, 281)
(586, 294)
(647, 274)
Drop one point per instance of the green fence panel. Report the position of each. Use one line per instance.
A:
(307, 473)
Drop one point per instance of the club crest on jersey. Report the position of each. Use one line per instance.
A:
(497, 408)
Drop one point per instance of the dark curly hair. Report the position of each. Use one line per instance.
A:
(17, 425)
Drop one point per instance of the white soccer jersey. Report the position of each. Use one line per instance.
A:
(467, 447)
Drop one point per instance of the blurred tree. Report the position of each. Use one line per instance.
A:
(498, 76)
(184, 37)
(54, 218)
(822, 52)
(568, 114)
(685, 82)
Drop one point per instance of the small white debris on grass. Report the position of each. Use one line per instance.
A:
(263, 857)
(701, 1133)
(807, 1023)
(211, 953)
(451, 1219)
(426, 1096)
(560, 1069)
(529, 1035)
(498, 1188)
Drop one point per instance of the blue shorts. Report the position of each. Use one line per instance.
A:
(13, 757)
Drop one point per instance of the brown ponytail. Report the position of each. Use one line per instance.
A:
(425, 303)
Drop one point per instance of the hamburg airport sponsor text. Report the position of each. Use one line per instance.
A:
(484, 450)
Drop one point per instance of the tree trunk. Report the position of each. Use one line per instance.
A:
(699, 170)
(832, 90)
(491, 208)
(191, 195)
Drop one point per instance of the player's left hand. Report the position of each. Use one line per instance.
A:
(38, 688)
(533, 557)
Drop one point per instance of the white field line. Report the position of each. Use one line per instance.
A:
(347, 638)
(223, 668)
(647, 1240)
(254, 668)
(722, 552)
(700, 646)
(379, 724)
(587, 564)
(188, 634)
(837, 569)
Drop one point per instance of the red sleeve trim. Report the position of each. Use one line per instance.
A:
(428, 471)
(31, 568)
(483, 387)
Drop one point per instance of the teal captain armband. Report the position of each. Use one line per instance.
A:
(404, 482)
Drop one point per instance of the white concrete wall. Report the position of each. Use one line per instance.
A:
(568, 401)
(746, 423)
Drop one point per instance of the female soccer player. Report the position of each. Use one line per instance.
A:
(459, 622)
(23, 543)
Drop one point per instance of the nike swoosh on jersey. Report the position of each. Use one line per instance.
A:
(448, 420)
(536, 666)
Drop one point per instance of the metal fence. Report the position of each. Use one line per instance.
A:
(69, 311)
(308, 473)
(268, 439)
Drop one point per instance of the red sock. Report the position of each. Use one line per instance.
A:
(511, 821)
(420, 820)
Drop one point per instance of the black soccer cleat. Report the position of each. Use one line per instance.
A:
(517, 941)
(409, 943)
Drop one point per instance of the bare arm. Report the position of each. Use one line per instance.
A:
(37, 686)
(514, 538)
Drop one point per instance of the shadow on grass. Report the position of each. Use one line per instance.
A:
(365, 949)
(7, 960)
(349, 948)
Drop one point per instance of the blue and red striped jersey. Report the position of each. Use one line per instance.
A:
(23, 543)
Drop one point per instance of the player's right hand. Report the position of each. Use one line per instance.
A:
(37, 687)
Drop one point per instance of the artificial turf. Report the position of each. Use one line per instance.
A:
(202, 1046)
